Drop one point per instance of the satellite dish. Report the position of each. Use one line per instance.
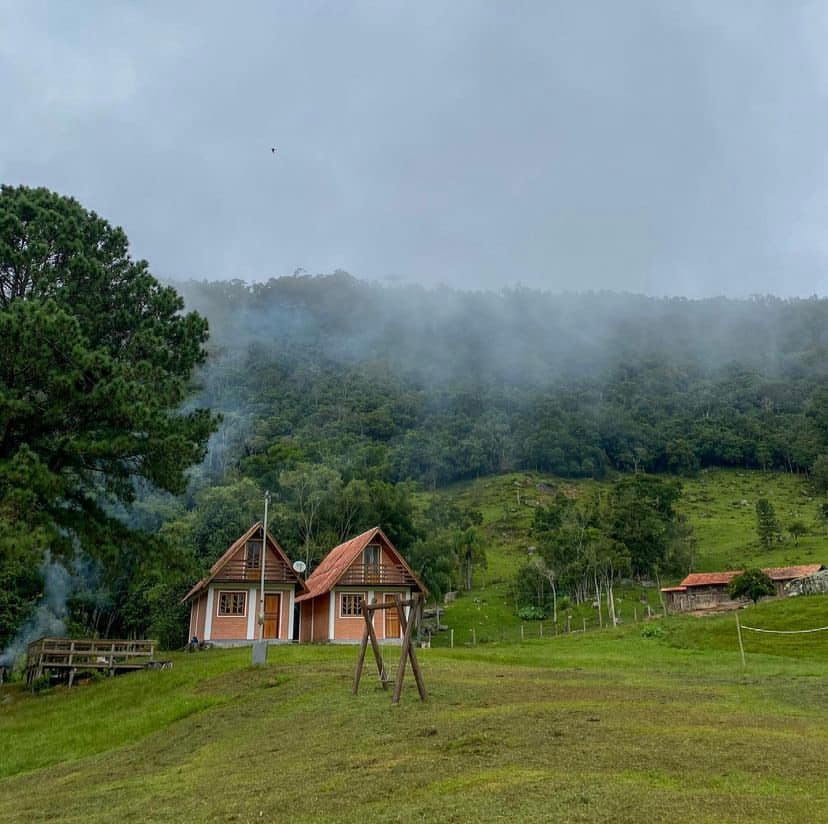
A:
(299, 566)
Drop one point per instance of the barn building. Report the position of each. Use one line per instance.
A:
(710, 590)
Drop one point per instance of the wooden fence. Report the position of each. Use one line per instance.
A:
(66, 656)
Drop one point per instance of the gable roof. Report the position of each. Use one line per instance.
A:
(705, 579)
(334, 565)
(216, 568)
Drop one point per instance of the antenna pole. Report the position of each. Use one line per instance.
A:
(262, 565)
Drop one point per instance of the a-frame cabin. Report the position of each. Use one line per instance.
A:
(224, 605)
(366, 567)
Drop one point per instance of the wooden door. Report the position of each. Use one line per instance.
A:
(273, 602)
(392, 619)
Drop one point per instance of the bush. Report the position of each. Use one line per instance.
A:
(531, 613)
(652, 631)
(41, 683)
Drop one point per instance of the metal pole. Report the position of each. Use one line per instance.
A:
(262, 565)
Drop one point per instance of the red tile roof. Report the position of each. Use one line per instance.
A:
(706, 579)
(217, 566)
(336, 563)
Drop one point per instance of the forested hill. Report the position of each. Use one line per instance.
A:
(396, 382)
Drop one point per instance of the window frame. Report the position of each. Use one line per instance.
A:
(375, 550)
(343, 595)
(247, 546)
(242, 614)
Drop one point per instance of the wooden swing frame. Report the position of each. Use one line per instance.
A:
(406, 652)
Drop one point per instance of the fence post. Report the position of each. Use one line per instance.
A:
(521, 632)
(541, 629)
(584, 624)
(739, 633)
(451, 638)
(474, 637)
(635, 614)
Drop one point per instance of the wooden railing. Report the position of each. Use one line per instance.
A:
(275, 572)
(62, 654)
(381, 574)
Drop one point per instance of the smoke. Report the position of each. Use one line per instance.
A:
(81, 581)
(49, 617)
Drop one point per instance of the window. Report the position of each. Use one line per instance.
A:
(232, 603)
(254, 552)
(371, 562)
(350, 604)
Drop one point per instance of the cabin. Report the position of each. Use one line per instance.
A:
(710, 590)
(225, 604)
(366, 568)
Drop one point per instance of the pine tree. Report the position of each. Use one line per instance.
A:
(766, 524)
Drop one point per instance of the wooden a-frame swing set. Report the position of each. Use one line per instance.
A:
(406, 652)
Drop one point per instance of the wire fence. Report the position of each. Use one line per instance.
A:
(498, 633)
(740, 628)
(785, 631)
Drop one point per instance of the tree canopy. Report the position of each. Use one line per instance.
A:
(753, 584)
(97, 362)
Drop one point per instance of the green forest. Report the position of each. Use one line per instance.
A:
(141, 422)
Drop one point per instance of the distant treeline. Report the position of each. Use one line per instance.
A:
(395, 382)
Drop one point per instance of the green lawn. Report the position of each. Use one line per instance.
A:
(649, 721)
(587, 727)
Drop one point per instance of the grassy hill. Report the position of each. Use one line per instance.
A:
(622, 725)
(720, 505)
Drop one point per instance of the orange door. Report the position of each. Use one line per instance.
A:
(271, 615)
(392, 619)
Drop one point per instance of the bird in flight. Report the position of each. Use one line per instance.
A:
(273, 150)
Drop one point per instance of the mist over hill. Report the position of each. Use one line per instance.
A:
(516, 336)
(438, 384)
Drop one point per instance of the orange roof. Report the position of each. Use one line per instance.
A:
(336, 562)
(705, 579)
(792, 572)
(216, 567)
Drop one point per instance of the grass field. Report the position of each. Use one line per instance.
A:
(719, 504)
(650, 721)
(622, 726)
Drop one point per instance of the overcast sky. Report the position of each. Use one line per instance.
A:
(658, 147)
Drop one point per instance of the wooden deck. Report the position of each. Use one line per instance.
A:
(67, 656)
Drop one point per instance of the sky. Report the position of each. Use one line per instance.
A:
(669, 147)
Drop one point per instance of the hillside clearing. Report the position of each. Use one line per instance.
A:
(719, 504)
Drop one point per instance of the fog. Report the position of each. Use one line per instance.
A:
(665, 148)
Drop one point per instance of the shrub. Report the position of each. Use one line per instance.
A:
(531, 613)
(40, 684)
